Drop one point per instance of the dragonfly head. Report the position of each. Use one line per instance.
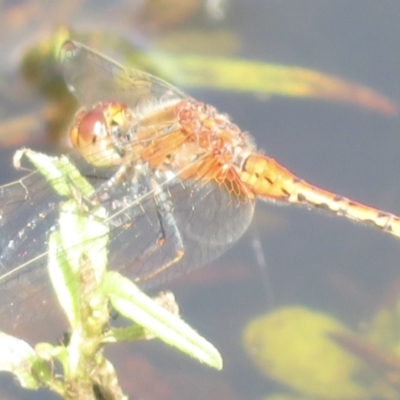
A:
(101, 133)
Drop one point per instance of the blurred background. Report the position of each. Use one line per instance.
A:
(290, 258)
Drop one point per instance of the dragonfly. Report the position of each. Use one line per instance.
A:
(178, 179)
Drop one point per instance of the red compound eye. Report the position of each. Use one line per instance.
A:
(89, 127)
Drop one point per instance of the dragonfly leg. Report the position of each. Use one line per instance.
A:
(165, 210)
(167, 222)
(116, 178)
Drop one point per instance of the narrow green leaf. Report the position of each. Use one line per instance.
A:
(64, 281)
(128, 300)
(58, 171)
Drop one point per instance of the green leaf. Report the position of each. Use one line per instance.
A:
(65, 283)
(17, 357)
(269, 79)
(292, 345)
(129, 301)
(78, 251)
(59, 172)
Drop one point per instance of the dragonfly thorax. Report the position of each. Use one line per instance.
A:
(214, 135)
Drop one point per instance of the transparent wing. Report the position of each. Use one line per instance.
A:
(208, 219)
(92, 77)
(29, 212)
(153, 212)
